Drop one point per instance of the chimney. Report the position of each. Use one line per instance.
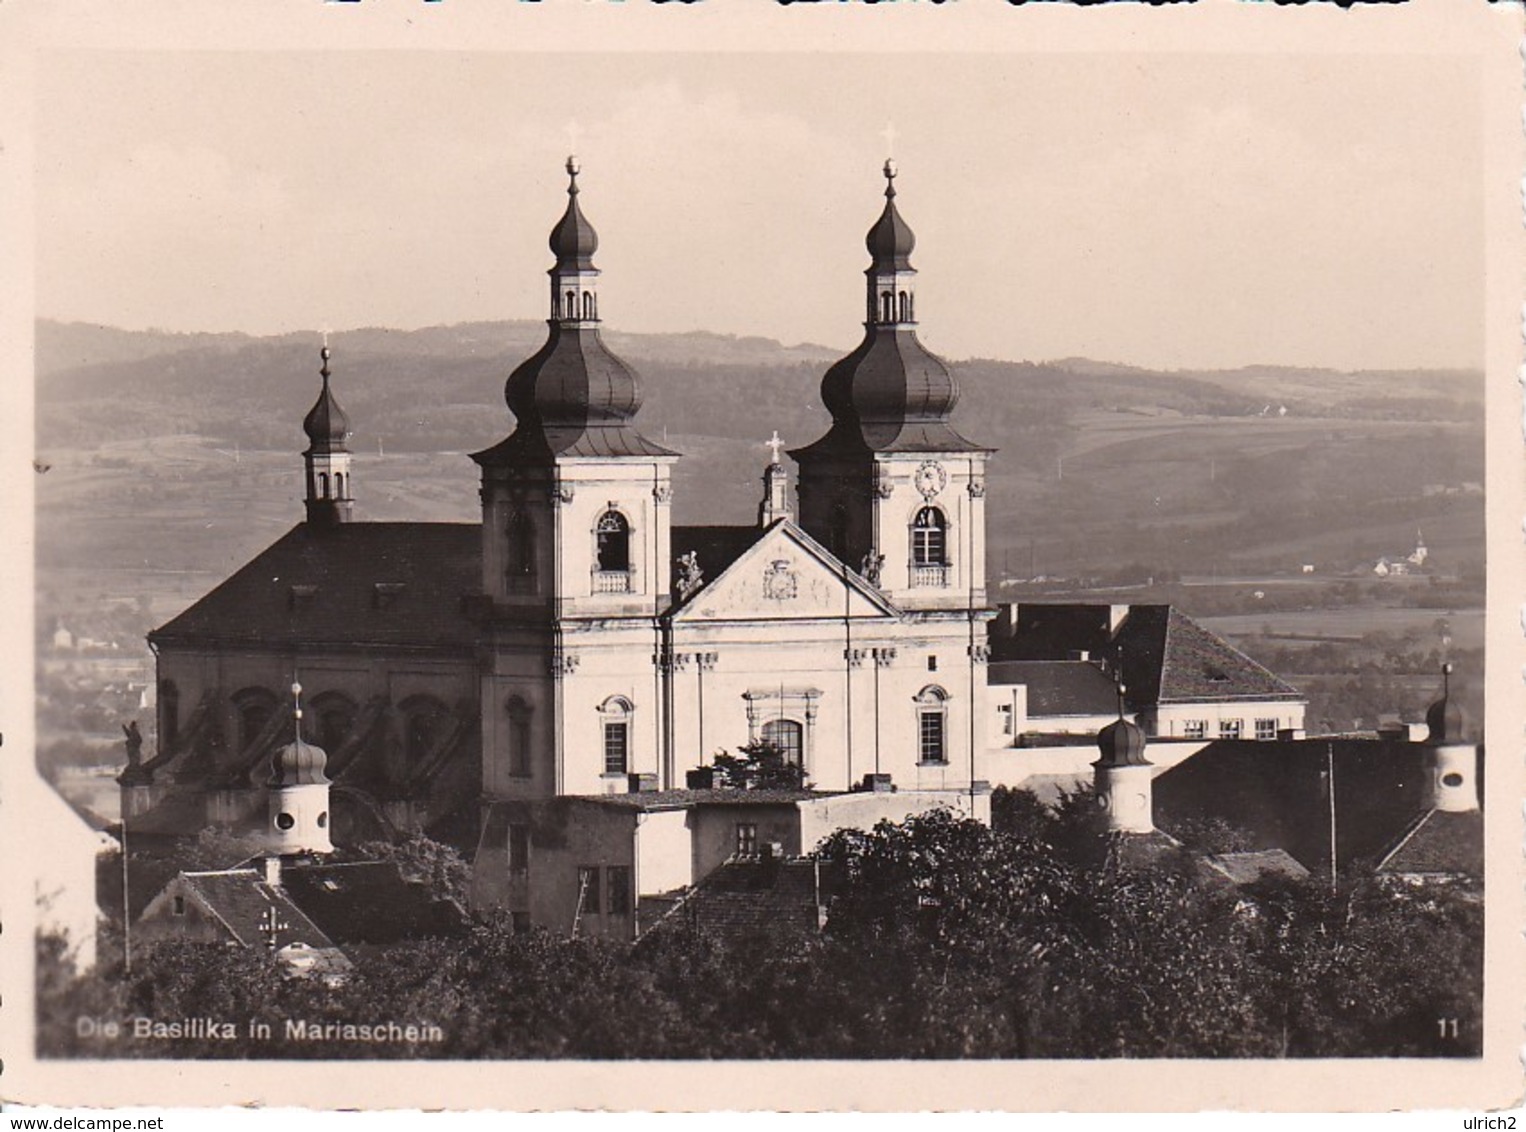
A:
(878, 783)
(641, 783)
(272, 864)
(700, 778)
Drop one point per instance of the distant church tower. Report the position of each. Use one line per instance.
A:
(892, 482)
(299, 794)
(576, 565)
(327, 456)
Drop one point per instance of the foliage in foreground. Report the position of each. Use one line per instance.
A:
(946, 940)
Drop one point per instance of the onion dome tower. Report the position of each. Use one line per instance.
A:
(892, 477)
(1451, 782)
(573, 397)
(328, 456)
(1123, 776)
(299, 793)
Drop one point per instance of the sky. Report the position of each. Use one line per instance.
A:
(1172, 211)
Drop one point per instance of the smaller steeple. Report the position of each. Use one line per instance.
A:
(775, 503)
(892, 292)
(299, 793)
(328, 455)
(1122, 773)
(1451, 782)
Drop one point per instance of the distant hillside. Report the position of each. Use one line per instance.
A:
(1098, 466)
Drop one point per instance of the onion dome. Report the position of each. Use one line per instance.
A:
(326, 425)
(1122, 743)
(891, 240)
(1446, 721)
(573, 240)
(299, 764)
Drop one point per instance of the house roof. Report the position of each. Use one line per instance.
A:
(1247, 867)
(1167, 657)
(398, 584)
(1058, 687)
(326, 904)
(753, 897)
(688, 799)
(1439, 843)
(369, 902)
(242, 900)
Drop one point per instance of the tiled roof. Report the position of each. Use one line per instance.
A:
(750, 897)
(685, 799)
(1439, 843)
(348, 584)
(241, 899)
(1244, 868)
(369, 902)
(1058, 687)
(1167, 657)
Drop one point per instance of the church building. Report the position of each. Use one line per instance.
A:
(552, 684)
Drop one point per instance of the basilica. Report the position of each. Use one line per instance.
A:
(548, 688)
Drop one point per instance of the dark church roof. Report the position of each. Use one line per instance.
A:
(1058, 687)
(399, 584)
(1439, 843)
(716, 547)
(1247, 867)
(1167, 657)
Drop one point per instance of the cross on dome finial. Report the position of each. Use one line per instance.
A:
(296, 707)
(890, 175)
(324, 354)
(774, 444)
(573, 169)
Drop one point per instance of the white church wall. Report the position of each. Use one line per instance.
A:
(664, 852)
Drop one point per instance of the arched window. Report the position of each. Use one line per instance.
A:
(254, 708)
(838, 543)
(616, 713)
(424, 723)
(571, 309)
(932, 725)
(929, 538)
(887, 307)
(905, 303)
(786, 736)
(169, 715)
(613, 538)
(338, 485)
(519, 551)
(588, 304)
(323, 485)
(330, 719)
(518, 712)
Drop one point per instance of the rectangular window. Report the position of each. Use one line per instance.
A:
(519, 849)
(1195, 728)
(616, 747)
(619, 890)
(588, 887)
(180, 905)
(747, 839)
(930, 738)
(1229, 728)
(1266, 729)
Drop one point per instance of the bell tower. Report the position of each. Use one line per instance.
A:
(576, 566)
(892, 482)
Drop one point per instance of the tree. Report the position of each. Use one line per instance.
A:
(759, 765)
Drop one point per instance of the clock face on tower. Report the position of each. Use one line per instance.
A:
(931, 478)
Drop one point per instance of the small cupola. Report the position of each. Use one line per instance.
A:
(298, 793)
(891, 241)
(326, 425)
(1444, 719)
(775, 505)
(1451, 766)
(1122, 774)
